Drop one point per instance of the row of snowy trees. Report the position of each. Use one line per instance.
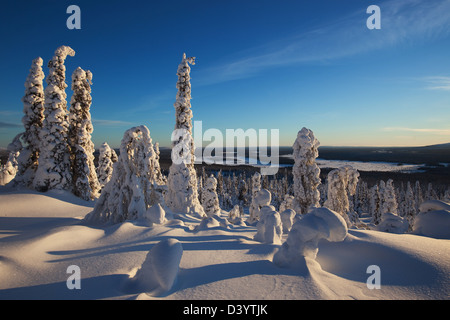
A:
(404, 199)
(56, 151)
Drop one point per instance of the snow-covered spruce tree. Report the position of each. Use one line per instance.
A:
(418, 195)
(410, 205)
(305, 171)
(342, 183)
(254, 207)
(182, 194)
(105, 164)
(389, 199)
(33, 109)
(210, 201)
(9, 170)
(54, 161)
(431, 194)
(84, 177)
(375, 204)
(242, 193)
(133, 187)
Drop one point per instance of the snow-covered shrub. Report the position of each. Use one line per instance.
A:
(9, 170)
(305, 171)
(342, 183)
(269, 227)
(105, 164)
(84, 176)
(33, 109)
(53, 171)
(287, 203)
(134, 186)
(303, 239)
(159, 271)
(235, 215)
(155, 214)
(210, 201)
(262, 198)
(392, 223)
(182, 195)
(287, 219)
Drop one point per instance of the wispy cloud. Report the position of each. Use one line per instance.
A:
(402, 21)
(437, 83)
(9, 125)
(442, 132)
(110, 123)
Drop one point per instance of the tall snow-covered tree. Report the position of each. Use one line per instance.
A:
(54, 161)
(389, 199)
(210, 201)
(375, 204)
(410, 205)
(182, 196)
(106, 160)
(133, 187)
(418, 195)
(254, 207)
(84, 176)
(342, 183)
(305, 171)
(33, 109)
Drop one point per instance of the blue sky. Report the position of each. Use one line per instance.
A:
(260, 64)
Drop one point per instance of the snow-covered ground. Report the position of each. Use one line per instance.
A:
(42, 234)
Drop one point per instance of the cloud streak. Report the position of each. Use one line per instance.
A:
(441, 132)
(438, 83)
(110, 123)
(9, 125)
(402, 20)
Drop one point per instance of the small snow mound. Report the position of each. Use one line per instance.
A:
(269, 227)
(432, 205)
(159, 271)
(393, 223)
(155, 214)
(434, 224)
(208, 223)
(303, 239)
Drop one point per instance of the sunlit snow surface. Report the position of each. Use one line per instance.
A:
(42, 234)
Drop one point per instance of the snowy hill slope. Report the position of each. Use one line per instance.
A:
(41, 235)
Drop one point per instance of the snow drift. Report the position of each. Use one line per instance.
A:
(303, 239)
(159, 271)
(42, 234)
(433, 220)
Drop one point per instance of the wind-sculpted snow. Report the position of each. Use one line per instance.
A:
(303, 238)
(43, 234)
